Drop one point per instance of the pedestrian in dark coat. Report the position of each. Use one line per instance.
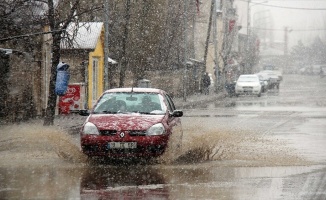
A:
(206, 83)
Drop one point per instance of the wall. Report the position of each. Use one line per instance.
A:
(170, 81)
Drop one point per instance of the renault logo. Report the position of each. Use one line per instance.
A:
(122, 134)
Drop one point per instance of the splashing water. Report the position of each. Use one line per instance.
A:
(249, 148)
(34, 143)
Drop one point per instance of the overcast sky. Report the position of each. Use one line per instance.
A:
(297, 15)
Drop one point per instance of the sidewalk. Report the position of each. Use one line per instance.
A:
(193, 100)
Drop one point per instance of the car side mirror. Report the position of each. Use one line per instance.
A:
(84, 112)
(177, 113)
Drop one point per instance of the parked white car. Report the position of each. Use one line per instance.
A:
(248, 84)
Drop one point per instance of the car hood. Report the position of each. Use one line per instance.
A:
(124, 121)
(250, 84)
(270, 74)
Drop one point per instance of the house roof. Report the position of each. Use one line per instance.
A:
(84, 34)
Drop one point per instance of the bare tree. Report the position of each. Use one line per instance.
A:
(146, 35)
(208, 36)
(59, 17)
(124, 60)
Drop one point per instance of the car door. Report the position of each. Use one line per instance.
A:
(175, 139)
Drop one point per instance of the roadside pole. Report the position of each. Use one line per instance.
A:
(106, 46)
(185, 51)
(215, 46)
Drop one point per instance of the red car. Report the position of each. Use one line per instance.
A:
(131, 123)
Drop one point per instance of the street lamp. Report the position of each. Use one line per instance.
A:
(286, 40)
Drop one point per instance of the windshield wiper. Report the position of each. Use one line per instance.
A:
(123, 112)
(150, 113)
(109, 112)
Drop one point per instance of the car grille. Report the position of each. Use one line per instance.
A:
(247, 88)
(108, 132)
(153, 149)
(137, 133)
(150, 149)
(114, 132)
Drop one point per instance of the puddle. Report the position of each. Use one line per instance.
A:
(212, 162)
(35, 144)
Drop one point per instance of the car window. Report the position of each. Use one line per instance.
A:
(126, 102)
(170, 103)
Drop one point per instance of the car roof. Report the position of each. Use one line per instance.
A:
(135, 89)
(249, 75)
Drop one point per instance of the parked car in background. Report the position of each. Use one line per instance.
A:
(230, 88)
(273, 78)
(273, 68)
(131, 123)
(264, 82)
(248, 84)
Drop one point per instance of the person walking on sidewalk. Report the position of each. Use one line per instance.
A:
(206, 83)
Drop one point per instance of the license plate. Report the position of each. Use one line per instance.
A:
(122, 145)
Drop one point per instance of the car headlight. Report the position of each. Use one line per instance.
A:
(157, 129)
(90, 129)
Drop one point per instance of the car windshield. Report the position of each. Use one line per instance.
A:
(126, 102)
(248, 79)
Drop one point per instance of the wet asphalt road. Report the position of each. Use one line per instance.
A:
(284, 157)
(295, 115)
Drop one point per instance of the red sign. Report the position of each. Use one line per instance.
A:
(231, 25)
(71, 100)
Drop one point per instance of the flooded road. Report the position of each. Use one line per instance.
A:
(268, 147)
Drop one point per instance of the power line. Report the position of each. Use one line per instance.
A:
(28, 35)
(283, 7)
(297, 0)
(296, 30)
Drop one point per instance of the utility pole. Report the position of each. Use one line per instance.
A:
(248, 38)
(285, 41)
(286, 44)
(185, 51)
(215, 36)
(203, 70)
(106, 46)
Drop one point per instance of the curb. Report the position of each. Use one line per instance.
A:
(194, 100)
